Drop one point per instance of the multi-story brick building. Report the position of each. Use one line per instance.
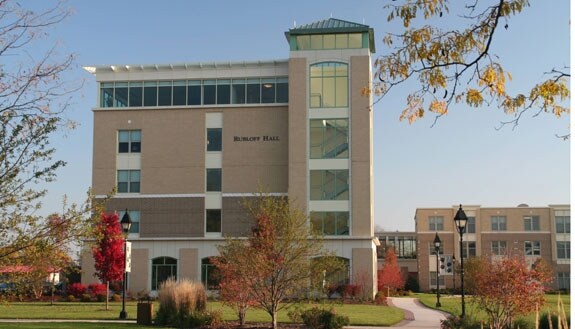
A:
(184, 144)
(534, 232)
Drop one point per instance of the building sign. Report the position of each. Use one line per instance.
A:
(128, 256)
(264, 138)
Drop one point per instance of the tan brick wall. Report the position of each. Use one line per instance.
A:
(138, 278)
(235, 220)
(88, 267)
(189, 264)
(364, 269)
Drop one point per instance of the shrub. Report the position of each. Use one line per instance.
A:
(116, 298)
(71, 298)
(97, 289)
(315, 318)
(76, 289)
(181, 302)
(86, 298)
(545, 317)
(455, 322)
(380, 298)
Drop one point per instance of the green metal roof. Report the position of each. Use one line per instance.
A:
(332, 25)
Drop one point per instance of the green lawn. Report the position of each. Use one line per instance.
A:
(372, 315)
(452, 304)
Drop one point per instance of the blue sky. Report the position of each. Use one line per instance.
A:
(462, 159)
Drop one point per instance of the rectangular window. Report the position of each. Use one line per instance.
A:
(128, 181)
(239, 91)
(433, 280)
(436, 223)
(329, 139)
(194, 92)
(498, 223)
(470, 227)
(214, 136)
(329, 184)
(330, 223)
(165, 93)
(268, 90)
(209, 92)
(224, 92)
(532, 248)
(213, 220)
(136, 94)
(150, 93)
(563, 280)
(563, 224)
(531, 223)
(121, 94)
(107, 94)
(431, 248)
(469, 249)
(499, 247)
(214, 180)
(405, 246)
(253, 91)
(129, 141)
(563, 250)
(281, 90)
(135, 217)
(179, 97)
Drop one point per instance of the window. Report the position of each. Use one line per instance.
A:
(253, 91)
(470, 227)
(165, 93)
(194, 92)
(209, 92)
(213, 220)
(436, 223)
(129, 141)
(531, 223)
(128, 181)
(150, 93)
(563, 281)
(329, 139)
(224, 91)
(239, 91)
(329, 41)
(330, 223)
(328, 85)
(214, 180)
(431, 248)
(498, 223)
(469, 249)
(563, 250)
(405, 246)
(563, 224)
(163, 268)
(532, 248)
(136, 94)
(135, 217)
(214, 136)
(329, 185)
(209, 275)
(179, 93)
(121, 94)
(433, 280)
(268, 90)
(498, 247)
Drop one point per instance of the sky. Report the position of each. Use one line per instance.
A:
(462, 159)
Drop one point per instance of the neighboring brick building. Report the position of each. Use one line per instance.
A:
(185, 143)
(535, 232)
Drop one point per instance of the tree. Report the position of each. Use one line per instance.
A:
(457, 64)
(33, 102)
(275, 261)
(507, 287)
(389, 277)
(108, 251)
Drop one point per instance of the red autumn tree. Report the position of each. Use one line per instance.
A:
(232, 285)
(389, 277)
(108, 250)
(508, 287)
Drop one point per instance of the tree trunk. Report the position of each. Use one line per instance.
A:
(242, 315)
(275, 319)
(107, 293)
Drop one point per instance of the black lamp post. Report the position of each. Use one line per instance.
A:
(437, 244)
(460, 222)
(126, 223)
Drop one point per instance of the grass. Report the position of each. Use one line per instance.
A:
(70, 325)
(361, 315)
(452, 304)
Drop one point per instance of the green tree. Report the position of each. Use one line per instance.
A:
(275, 261)
(450, 55)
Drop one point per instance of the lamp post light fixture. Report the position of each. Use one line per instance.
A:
(461, 222)
(437, 244)
(126, 223)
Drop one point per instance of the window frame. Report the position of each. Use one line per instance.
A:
(129, 187)
(498, 223)
(532, 223)
(321, 76)
(133, 145)
(500, 249)
(532, 248)
(173, 266)
(436, 223)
